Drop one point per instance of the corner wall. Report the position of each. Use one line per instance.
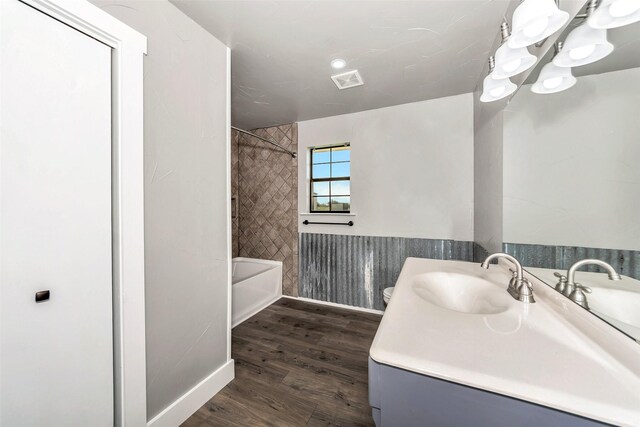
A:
(487, 176)
(411, 195)
(187, 238)
(571, 173)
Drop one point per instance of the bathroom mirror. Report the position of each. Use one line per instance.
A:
(571, 177)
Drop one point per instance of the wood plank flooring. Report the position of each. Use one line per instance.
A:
(297, 364)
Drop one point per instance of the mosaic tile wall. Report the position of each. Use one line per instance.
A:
(235, 223)
(267, 195)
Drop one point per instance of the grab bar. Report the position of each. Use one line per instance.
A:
(307, 222)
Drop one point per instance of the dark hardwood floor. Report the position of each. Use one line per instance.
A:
(297, 364)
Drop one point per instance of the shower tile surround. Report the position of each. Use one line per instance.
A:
(235, 223)
(264, 183)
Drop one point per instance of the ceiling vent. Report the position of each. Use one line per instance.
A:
(347, 80)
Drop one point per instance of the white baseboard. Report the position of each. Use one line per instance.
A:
(187, 404)
(334, 304)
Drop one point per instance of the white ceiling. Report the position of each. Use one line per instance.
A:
(406, 51)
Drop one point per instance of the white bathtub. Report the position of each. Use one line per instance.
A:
(256, 284)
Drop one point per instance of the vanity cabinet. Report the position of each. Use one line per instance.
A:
(400, 398)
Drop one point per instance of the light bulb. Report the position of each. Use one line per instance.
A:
(536, 27)
(494, 89)
(622, 8)
(497, 91)
(584, 45)
(582, 52)
(535, 20)
(553, 79)
(511, 66)
(552, 82)
(338, 64)
(615, 13)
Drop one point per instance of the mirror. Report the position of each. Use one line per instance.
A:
(572, 178)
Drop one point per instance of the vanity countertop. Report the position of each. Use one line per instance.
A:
(552, 352)
(615, 301)
(588, 278)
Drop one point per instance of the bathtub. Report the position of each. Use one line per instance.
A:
(256, 283)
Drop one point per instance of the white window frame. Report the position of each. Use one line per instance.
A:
(128, 48)
(311, 180)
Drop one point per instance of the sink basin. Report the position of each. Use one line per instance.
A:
(455, 321)
(615, 302)
(461, 293)
(618, 307)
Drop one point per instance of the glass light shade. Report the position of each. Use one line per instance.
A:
(553, 79)
(583, 45)
(494, 89)
(510, 62)
(535, 20)
(615, 13)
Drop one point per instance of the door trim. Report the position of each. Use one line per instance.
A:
(128, 48)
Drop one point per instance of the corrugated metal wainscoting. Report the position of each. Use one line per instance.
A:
(354, 270)
(562, 257)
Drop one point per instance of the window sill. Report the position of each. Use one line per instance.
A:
(326, 214)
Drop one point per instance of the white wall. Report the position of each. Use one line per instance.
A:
(488, 174)
(411, 169)
(187, 242)
(571, 174)
(488, 144)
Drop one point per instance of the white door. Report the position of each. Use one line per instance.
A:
(56, 356)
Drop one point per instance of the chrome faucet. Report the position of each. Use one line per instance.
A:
(576, 291)
(519, 287)
(562, 282)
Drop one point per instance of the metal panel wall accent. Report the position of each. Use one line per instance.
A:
(561, 257)
(354, 270)
(479, 252)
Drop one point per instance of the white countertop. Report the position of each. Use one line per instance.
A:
(587, 278)
(622, 312)
(552, 352)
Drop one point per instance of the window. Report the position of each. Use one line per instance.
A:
(331, 179)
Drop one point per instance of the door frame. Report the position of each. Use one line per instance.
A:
(128, 49)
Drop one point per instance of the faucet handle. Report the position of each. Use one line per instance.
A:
(578, 295)
(525, 291)
(562, 282)
(583, 288)
(513, 283)
(562, 277)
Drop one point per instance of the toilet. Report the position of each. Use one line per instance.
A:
(386, 294)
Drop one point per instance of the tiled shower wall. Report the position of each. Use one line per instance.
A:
(266, 191)
(235, 223)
